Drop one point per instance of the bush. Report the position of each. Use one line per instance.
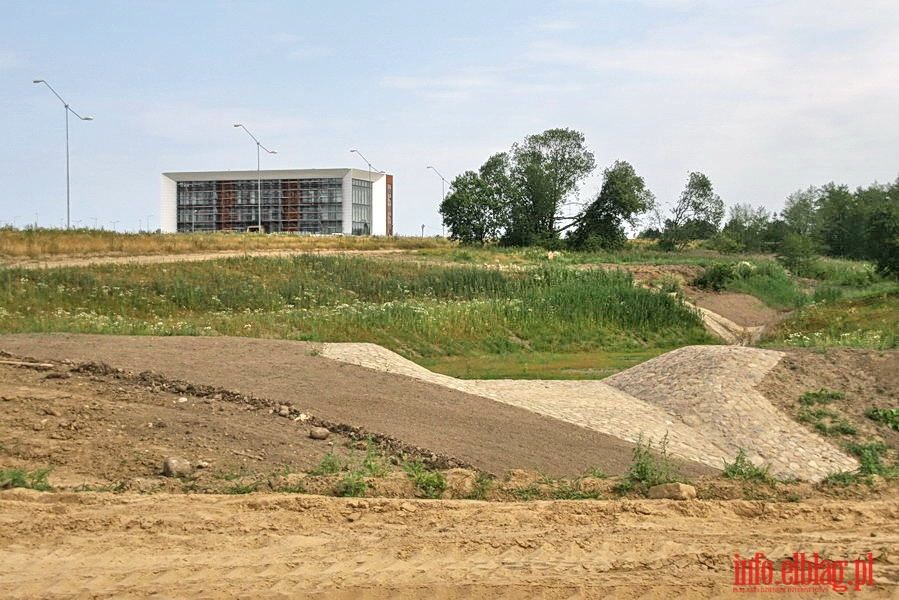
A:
(743, 469)
(648, 468)
(715, 277)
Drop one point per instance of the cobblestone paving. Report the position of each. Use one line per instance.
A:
(702, 397)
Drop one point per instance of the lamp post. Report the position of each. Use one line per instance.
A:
(442, 194)
(366, 162)
(259, 147)
(84, 118)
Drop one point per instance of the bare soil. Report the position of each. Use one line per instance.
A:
(107, 416)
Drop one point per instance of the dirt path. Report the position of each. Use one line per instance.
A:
(283, 546)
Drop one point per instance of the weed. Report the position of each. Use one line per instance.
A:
(887, 416)
(648, 468)
(846, 478)
(826, 422)
(482, 485)
(869, 457)
(822, 396)
(570, 491)
(352, 485)
(595, 472)
(242, 488)
(430, 483)
(22, 478)
(373, 464)
(527, 493)
(330, 464)
(743, 469)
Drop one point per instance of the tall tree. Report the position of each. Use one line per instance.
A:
(746, 226)
(799, 211)
(472, 210)
(622, 198)
(544, 170)
(697, 215)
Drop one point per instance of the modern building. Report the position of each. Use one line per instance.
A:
(308, 201)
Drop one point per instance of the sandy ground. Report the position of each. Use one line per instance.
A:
(157, 537)
(270, 546)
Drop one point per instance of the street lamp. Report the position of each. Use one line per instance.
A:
(366, 162)
(443, 193)
(259, 147)
(84, 118)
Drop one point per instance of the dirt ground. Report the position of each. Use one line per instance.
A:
(104, 413)
(116, 527)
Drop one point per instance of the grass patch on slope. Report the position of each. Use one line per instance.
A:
(867, 320)
(46, 243)
(416, 309)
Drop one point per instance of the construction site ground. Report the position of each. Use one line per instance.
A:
(103, 412)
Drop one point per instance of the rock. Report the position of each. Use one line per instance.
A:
(182, 400)
(408, 507)
(175, 466)
(319, 433)
(283, 411)
(355, 516)
(672, 491)
(203, 464)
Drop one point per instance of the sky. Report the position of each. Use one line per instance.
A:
(765, 97)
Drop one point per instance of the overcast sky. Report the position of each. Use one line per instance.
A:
(764, 97)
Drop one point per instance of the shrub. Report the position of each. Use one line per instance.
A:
(715, 277)
(648, 468)
(743, 469)
(430, 483)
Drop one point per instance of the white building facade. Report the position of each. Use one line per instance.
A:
(305, 201)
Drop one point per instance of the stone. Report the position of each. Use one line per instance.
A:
(672, 491)
(175, 466)
(283, 411)
(319, 433)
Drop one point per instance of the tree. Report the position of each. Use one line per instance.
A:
(698, 213)
(622, 198)
(799, 211)
(882, 231)
(543, 172)
(471, 210)
(841, 222)
(746, 227)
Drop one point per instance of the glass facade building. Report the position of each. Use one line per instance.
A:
(317, 202)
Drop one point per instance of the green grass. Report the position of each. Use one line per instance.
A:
(869, 320)
(419, 310)
(887, 416)
(635, 252)
(430, 483)
(540, 365)
(742, 469)
(22, 478)
(649, 467)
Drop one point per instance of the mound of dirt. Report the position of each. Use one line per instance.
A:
(488, 435)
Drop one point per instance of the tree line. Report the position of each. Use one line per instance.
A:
(518, 197)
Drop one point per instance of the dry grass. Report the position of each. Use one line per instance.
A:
(46, 243)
